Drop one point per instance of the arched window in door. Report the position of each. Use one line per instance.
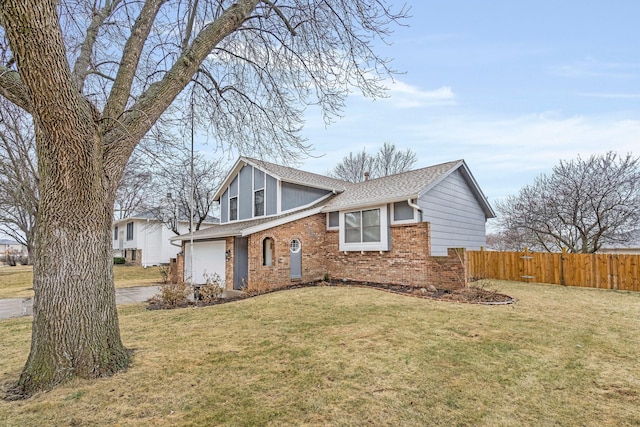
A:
(267, 252)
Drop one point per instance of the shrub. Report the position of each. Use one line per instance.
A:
(172, 295)
(119, 260)
(164, 272)
(211, 291)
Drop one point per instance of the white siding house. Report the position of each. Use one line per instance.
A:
(144, 240)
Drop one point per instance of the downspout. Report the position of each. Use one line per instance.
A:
(414, 206)
(144, 257)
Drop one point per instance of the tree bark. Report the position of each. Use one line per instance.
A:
(75, 323)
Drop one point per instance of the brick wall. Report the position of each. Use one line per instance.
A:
(403, 264)
(310, 232)
(128, 256)
(448, 272)
(228, 264)
(176, 268)
(407, 263)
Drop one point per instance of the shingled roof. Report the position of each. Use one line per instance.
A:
(287, 174)
(388, 189)
(243, 228)
(392, 188)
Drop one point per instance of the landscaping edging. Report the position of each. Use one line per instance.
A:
(456, 295)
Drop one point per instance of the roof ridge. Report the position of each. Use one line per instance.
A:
(297, 170)
(452, 162)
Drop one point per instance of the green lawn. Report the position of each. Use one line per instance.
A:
(17, 282)
(353, 356)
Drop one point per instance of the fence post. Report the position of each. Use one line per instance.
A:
(562, 258)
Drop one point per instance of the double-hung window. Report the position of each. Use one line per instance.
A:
(364, 230)
(130, 230)
(233, 208)
(233, 200)
(258, 192)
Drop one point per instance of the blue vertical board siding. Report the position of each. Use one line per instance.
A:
(224, 207)
(456, 215)
(271, 196)
(245, 196)
(294, 195)
(258, 179)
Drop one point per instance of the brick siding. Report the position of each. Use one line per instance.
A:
(407, 263)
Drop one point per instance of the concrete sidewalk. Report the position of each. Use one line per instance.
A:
(17, 307)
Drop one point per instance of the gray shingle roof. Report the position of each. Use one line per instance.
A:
(235, 228)
(299, 176)
(402, 186)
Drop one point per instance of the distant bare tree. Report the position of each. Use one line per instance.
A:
(173, 191)
(134, 192)
(18, 176)
(353, 167)
(387, 161)
(390, 161)
(580, 206)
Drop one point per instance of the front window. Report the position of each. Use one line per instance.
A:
(130, 231)
(258, 203)
(364, 230)
(403, 213)
(115, 233)
(233, 208)
(267, 252)
(333, 220)
(362, 226)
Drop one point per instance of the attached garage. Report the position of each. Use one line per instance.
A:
(208, 259)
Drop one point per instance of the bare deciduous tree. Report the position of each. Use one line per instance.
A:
(580, 206)
(97, 76)
(173, 191)
(387, 161)
(18, 176)
(134, 192)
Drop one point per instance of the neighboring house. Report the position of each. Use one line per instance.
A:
(12, 248)
(281, 225)
(631, 247)
(144, 240)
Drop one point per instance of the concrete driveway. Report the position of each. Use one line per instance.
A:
(17, 307)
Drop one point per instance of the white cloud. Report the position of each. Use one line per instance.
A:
(403, 95)
(506, 153)
(503, 152)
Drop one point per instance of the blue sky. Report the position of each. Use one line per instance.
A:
(509, 86)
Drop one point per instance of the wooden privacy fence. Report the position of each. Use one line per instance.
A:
(606, 271)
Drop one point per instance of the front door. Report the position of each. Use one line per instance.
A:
(295, 259)
(241, 262)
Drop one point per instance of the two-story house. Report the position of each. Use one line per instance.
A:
(280, 225)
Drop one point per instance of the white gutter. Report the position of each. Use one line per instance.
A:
(414, 206)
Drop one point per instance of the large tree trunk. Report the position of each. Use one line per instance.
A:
(75, 323)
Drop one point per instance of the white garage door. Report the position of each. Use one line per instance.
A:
(208, 259)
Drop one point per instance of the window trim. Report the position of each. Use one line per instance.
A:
(402, 221)
(295, 245)
(329, 226)
(130, 235)
(382, 245)
(236, 210)
(255, 192)
(265, 250)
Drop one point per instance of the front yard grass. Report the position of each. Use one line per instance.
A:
(17, 281)
(354, 356)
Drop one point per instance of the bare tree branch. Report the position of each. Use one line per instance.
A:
(581, 205)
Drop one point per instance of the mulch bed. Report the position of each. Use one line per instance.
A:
(470, 294)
